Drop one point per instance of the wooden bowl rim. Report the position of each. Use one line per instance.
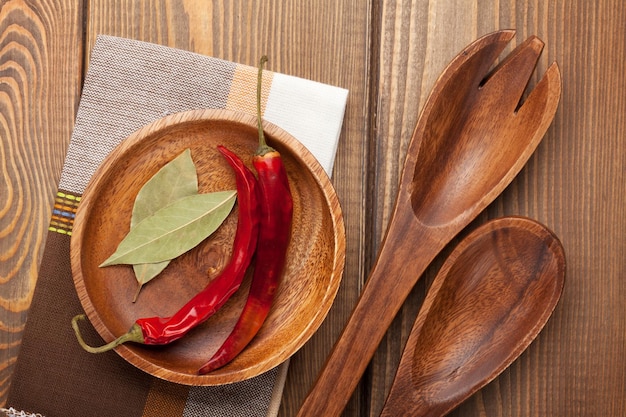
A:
(331, 202)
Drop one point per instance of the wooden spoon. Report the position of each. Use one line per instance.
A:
(470, 141)
(488, 302)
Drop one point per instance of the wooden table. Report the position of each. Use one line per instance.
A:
(388, 53)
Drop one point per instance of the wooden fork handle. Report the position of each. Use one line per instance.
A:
(387, 287)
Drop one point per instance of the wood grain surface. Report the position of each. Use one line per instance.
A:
(388, 53)
(40, 78)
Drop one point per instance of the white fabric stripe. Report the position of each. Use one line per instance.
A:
(312, 112)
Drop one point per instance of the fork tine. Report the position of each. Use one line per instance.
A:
(544, 98)
(512, 74)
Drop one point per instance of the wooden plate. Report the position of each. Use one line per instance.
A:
(315, 257)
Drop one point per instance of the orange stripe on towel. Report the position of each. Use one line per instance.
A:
(165, 399)
(242, 94)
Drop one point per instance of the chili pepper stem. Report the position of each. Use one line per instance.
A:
(133, 335)
(263, 146)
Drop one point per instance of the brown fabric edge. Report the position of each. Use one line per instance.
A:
(165, 399)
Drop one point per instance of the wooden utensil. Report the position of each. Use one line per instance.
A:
(315, 257)
(490, 299)
(471, 139)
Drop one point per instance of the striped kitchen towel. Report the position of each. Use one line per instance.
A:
(128, 85)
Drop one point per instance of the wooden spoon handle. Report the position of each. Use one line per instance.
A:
(407, 251)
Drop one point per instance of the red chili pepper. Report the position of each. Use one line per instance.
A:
(274, 234)
(159, 330)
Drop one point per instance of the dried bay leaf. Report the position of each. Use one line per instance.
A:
(144, 273)
(176, 179)
(174, 229)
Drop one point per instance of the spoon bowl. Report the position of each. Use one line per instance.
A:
(488, 302)
(472, 138)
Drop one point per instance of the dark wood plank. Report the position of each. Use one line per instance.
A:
(40, 79)
(573, 184)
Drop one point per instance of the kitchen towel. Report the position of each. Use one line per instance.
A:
(128, 85)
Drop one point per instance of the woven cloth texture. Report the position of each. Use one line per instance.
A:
(128, 85)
